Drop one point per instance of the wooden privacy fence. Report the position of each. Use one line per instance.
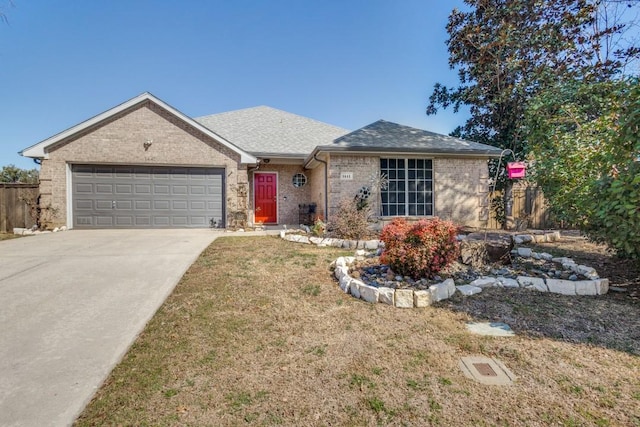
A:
(529, 209)
(17, 202)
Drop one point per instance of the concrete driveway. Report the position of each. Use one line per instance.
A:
(71, 304)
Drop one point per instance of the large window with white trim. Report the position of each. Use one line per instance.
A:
(409, 191)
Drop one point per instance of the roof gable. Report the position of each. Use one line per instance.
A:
(388, 136)
(40, 150)
(266, 131)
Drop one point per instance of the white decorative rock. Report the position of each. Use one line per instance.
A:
(386, 295)
(345, 283)
(586, 287)
(349, 259)
(443, 290)
(485, 282)
(563, 260)
(468, 290)
(315, 240)
(536, 283)
(525, 252)
(451, 287)
(354, 287)
(602, 286)
(535, 255)
(371, 245)
(587, 271)
(337, 243)
(360, 253)
(506, 282)
(368, 293)
(404, 298)
(18, 230)
(341, 272)
(522, 238)
(341, 262)
(545, 256)
(564, 287)
(421, 298)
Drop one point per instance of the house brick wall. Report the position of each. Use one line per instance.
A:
(289, 197)
(120, 139)
(460, 186)
(361, 167)
(461, 189)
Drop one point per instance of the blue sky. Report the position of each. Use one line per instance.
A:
(344, 62)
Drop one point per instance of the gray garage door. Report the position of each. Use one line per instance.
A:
(147, 197)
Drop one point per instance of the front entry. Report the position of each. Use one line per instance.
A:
(265, 190)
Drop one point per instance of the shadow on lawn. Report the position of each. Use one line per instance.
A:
(606, 320)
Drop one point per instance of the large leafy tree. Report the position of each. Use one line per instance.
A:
(506, 51)
(13, 173)
(585, 148)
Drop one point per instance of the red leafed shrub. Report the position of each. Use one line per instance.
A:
(419, 249)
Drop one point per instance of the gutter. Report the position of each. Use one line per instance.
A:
(326, 186)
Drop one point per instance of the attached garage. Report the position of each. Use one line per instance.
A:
(109, 196)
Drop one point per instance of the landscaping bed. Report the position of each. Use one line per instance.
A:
(258, 333)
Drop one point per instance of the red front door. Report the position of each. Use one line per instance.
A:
(265, 189)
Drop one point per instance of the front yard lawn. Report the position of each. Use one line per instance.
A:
(258, 333)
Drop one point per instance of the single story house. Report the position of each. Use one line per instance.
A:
(144, 164)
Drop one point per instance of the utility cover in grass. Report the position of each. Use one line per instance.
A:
(494, 329)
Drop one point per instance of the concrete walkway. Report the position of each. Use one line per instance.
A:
(71, 304)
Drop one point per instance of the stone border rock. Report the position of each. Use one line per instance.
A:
(370, 245)
(34, 230)
(409, 298)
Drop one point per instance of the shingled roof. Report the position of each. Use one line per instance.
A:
(264, 131)
(387, 136)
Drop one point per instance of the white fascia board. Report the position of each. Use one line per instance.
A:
(39, 150)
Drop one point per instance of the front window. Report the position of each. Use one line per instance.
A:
(410, 188)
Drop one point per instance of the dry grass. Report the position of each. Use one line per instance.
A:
(258, 333)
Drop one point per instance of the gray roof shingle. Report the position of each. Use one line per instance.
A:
(388, 136)
(268, 131)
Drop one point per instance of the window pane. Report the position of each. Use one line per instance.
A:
(412, 163)
(393, 210)
(383, 163)
(401, 210)
(420, 164)
(401, 197)
(400, 173)
(400, 163)
(420, 210)
(392, 163)
(412, 210)
(401, 186)
(392, 174)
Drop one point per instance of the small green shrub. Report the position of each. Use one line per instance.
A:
(318, 228)
(420, 249)
(351, 221)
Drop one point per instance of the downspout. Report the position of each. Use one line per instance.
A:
(326, 186)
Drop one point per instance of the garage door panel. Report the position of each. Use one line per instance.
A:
(179, 189)
(124, 189)
(142, 205)
(102, 188)
(104, 221)
(126, 221)
(143, 189)
(155, 196)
